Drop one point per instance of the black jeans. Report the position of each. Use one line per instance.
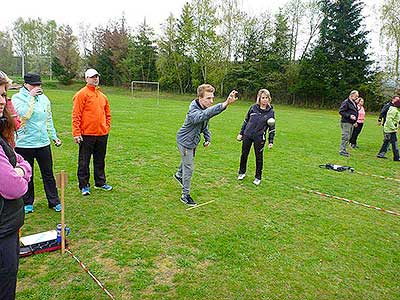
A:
(96, 146)
(9, 255)
(45, 162)
(258, 151)
(392, 139)
(356, 132)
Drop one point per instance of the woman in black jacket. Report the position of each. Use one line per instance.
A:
(259, 119)
(15, 174)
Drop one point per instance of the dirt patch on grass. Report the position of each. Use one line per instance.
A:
(165, 270)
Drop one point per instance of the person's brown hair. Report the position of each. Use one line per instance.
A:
(4, 80)
(204, 88)
(8, 131)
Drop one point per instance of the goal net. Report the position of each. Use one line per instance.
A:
(145, 89)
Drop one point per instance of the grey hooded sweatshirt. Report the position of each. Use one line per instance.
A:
(196, 122)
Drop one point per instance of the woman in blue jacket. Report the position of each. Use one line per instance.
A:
(259, 119)
(33, 138)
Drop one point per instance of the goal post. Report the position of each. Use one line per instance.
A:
(145, 89)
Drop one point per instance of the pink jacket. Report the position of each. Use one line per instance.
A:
(13, 186)
(361, 114)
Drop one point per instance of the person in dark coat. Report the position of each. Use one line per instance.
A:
(349, 113)
(259, 119)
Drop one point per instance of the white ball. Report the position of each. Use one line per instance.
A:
(271, 121)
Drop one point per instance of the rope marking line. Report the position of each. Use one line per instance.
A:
(90, 274)
(348, 200)
(378, 176)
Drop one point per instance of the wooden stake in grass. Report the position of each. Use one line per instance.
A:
(61, 181)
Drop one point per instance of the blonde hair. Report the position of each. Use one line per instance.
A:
(204, 88)
(263, 91)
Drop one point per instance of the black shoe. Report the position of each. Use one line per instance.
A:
(344, 154)
(353, 146)
(179, 179)
(188, 200)
(381, 156)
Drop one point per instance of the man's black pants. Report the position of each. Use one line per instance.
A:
(45, 162)
(258, 150)
(9, 255)
(96, 146)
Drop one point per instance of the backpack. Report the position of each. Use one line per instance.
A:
(337, 168)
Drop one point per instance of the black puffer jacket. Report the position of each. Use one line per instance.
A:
(255, 124)
(11, 212)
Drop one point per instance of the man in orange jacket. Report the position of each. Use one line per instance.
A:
(91, 120)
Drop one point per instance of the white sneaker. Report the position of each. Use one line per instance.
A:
(241, 176)
(257, 181)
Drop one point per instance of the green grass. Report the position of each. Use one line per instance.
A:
(266, 242)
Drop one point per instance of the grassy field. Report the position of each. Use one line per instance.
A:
(267, 242)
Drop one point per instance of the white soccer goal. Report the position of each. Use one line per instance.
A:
(145, 89)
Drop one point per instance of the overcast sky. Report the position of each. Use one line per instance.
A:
(98, 12)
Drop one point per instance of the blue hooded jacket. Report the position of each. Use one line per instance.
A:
(37, 126)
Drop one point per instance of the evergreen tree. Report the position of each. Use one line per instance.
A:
(339, 62)
(143, 54)
(184, 46)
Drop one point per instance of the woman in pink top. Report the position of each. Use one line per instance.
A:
(360, 123)
(15, 174)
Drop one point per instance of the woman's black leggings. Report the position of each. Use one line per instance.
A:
(259, 152)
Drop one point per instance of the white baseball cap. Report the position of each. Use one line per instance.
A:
(91, 73)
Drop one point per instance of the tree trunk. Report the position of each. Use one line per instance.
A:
(396, 68)
(23, 65)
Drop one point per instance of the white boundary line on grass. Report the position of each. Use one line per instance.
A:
(193, 207)
(378, 176)
(348, 200)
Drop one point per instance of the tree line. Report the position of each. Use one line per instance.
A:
(310, 53)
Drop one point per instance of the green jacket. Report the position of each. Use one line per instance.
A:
(392, 120)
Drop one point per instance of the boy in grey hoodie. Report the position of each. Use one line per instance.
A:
(188, 136)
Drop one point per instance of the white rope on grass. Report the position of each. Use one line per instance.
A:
(348, 200)
(378, 176)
